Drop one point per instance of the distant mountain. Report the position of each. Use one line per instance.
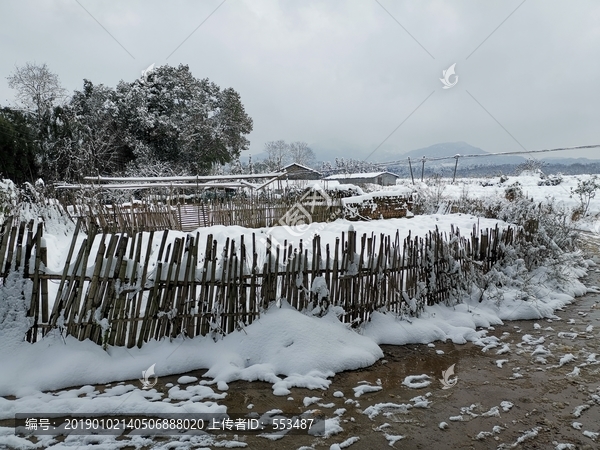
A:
(443, 149)
(449, 149)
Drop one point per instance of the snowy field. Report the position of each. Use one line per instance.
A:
(492, 189)
(286, 348)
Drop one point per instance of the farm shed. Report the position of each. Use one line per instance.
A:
(297, 171)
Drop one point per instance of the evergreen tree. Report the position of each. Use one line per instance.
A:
(17, 147)
(165, 123)
(190, 124)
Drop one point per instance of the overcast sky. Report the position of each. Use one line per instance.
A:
(344, 75)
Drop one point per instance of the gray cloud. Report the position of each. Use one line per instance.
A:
(342, 75)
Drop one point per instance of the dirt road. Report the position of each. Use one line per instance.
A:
(545, 397)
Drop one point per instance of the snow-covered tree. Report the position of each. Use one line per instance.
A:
(17, 147)
(85, 138)
(38, 90)
(236, 167)
(278, 154)
(326, 168)
(190, 124)
(301, 153)
(165, 123)
(353, 166)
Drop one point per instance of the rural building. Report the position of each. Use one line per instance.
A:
(299, 172)
(382, 178)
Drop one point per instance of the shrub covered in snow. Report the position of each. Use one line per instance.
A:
(586, 191)
(14, 322)
(9, 195)
(551, 180)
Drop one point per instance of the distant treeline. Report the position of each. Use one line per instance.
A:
(493, 170)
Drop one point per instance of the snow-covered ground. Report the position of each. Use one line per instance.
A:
(285, 347)
(491, 189)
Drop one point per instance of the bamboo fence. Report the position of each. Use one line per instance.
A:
(188, 216)
(127, 289)
(250, 212)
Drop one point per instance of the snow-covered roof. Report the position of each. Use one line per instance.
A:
(342, 176)
(300, 166)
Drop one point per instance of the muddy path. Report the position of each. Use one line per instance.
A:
(544, 396)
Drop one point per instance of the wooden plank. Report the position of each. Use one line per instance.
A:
(181, 299)
(34, 305)
(134, 333)
(28, 248)
(100, 299)
(192, 283)
(221, 300)
(120, 312)
(253, 300)
(11, 246)
(59, 300)
(202, 325)
(19, 249)
(135, 299)
(212, 289)
(70, 294)
(149, 323)
(242, 295)
(76, 324)
(92, 291)
(4, 238)
(44, 282)
(110, 307)
(166, 306)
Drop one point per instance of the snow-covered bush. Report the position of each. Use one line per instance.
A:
(14, 322)
(586, 191)
(32, 202)
(546, 249)
(429, 197)
(546, 253)
(513, 192)
(551, 180)
(9, 197)
(530, 167)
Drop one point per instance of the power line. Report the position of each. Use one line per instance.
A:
(480, 155)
